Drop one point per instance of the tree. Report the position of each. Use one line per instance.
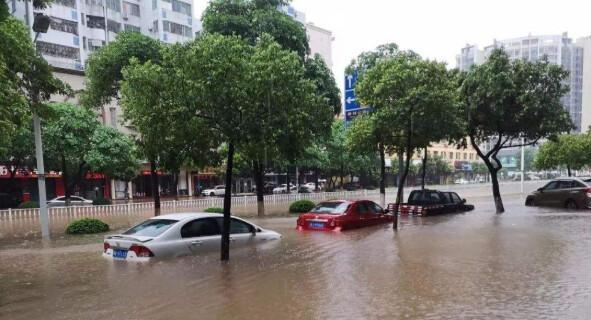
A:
(104, 73)
(250, 19)
(570, 151)
(26, 78)
(373, 132)
(68, 138)
(113, 154)
(228, 82)
(253, 20)
(416, 99)
(18, 154)
(510, 104)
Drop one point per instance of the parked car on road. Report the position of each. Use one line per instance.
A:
(431, 202)
(283, 188)
(340, 215)
(352, 186)
(215, 191)
(181, 234)
(571, 193)
(312, 186)
(74, 201)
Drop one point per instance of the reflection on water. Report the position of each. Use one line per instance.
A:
(529, 263)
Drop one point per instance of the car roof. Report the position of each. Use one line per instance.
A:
(188, 215)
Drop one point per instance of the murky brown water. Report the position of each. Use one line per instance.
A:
(529, 263)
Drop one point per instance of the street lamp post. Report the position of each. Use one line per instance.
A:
(40, 25)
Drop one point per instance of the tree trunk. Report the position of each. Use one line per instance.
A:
(155, 187)
(66, 178)
(496, 191)
(424, 170)
(225, 254)
(260, 185)
(400, 184)
(382, 175)
(568, 170)
(287, 181)
(400, 194)
(175, 184)
(342, 173)
(316, 179)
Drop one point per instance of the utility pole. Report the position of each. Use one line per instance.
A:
(40, 25)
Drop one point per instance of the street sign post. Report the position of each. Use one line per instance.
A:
(352, 106)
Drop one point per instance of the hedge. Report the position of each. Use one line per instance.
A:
(29, 205)
(102, 202)
(214, 210)
(301, 206)
(86, 226)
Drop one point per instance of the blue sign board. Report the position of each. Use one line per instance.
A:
(352, 107)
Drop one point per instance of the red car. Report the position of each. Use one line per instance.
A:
(343, 215)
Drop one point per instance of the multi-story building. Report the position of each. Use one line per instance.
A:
(320, 41)
(558, 49)
(585, 44)
(79, 27)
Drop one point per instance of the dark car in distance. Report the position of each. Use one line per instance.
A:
(570, 193)
(431, 202)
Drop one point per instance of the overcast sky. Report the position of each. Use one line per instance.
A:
(437, 29)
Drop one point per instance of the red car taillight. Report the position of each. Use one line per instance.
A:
(588, 192)
(141, 251)
(106, 246)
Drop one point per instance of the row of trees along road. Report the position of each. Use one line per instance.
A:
(501, 104)
(570, 151)
(245, 86)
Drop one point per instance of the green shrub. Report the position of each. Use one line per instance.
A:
(29, 205)
(214, 210)
(86, 226)
(102, 201)
(301, 206)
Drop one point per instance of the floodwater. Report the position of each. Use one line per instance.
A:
(529, 263)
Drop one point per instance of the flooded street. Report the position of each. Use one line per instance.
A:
(529, 263)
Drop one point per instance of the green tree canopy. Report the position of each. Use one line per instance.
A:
(250, 19)
(113, 153)
(104, 67)
(67, 138)
(570, 151)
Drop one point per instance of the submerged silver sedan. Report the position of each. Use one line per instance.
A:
(181, 234)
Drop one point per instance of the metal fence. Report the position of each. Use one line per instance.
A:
(74, 212)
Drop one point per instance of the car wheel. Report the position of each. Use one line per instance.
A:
(529, 202)
(571, 204)
(212, 194)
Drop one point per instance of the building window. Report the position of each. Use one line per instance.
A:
(451, 155)
(82, 19)
(113, 26)
(131, 8)
(64, 25)
(114, 5)
(458, 155)
(465, 156)
(94, 44)
(95, 22)
(66, 3)
(113, 116)
(84, 43)
(182, 7)
(436, 153)
(56, 50)
(177, 28)
(129, 27)
(154, 4)
(155, 26)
